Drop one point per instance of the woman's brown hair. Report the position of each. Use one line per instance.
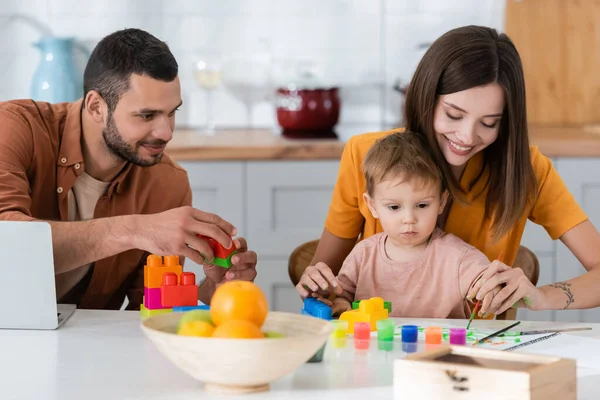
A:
(461, 59)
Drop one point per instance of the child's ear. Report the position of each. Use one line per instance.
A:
(369, 202)
(444, 200)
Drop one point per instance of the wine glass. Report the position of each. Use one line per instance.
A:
(207, 73)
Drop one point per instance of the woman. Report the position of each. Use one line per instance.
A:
(467, 97)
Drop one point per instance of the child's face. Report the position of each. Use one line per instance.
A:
(407, 210)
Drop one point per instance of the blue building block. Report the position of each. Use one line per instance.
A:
(316, 308)
(190, 308)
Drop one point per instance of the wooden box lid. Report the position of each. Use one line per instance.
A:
(463, 372)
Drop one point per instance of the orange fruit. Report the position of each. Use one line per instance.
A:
(239, 300)
(238, 329)
(196, 328)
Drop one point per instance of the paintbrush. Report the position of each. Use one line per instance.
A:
(479, 301)
(496, 333)
(473, 313)
(545, 331)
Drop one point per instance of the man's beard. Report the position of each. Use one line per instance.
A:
(121, 149)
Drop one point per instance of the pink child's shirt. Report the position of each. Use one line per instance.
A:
(434, 286)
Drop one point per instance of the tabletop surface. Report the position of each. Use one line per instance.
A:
(105, 355)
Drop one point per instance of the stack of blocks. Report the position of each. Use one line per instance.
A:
(370, 311)
(167, 288)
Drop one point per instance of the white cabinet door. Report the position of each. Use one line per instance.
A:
(274, 281)
(536, 239)
(287, 203)
(582, 177)
(547, 273)
(217, 187)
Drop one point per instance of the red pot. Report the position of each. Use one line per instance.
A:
(308, 111)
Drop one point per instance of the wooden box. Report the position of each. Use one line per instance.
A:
(468, 373)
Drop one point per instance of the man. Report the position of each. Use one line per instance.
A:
(96, 170)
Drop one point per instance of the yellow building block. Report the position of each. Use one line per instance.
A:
(145, 313)
(371, 311)
(155, 268)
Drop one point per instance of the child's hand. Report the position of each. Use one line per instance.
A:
(340, 305)
(318, 281)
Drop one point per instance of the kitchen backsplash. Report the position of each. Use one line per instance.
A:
(364, 46)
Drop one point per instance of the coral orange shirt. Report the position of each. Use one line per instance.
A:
(555, 208)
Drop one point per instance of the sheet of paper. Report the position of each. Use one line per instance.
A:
(584, 349)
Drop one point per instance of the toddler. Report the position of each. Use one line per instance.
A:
(423, 271)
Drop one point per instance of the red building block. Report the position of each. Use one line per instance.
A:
(155, 268)
(177, 295)
(222, 255)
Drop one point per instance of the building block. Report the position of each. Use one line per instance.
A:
(386, 304)
(190, 308)
(222, 255)
(155, 268)
(182, 293)
(370, 311)
(152, 299)
(316, 308)
(145, 313)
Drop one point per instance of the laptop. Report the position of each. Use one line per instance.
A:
(27, 285)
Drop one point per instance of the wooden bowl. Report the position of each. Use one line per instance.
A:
(240, 365)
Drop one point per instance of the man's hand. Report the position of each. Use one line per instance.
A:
(243, 268)
(174, 232)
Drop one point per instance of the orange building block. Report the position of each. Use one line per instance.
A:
(179, 295)
(371, 311)
(155, 269)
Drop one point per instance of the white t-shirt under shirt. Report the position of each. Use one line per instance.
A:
(82, 202)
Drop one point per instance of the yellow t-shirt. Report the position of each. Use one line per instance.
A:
(555, 208)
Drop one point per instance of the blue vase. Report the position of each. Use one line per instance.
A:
(57, 78)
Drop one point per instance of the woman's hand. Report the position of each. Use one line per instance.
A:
(502, 287)
(318, 281)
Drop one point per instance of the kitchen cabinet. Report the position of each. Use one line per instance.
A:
(557, 42)
(583, 180)
(279, 204)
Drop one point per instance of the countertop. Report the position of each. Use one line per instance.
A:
(105, 355)
(263, 144)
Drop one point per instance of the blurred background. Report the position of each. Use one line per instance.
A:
(367, 48)
(256, 73)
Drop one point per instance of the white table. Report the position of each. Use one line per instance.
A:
(104, 355)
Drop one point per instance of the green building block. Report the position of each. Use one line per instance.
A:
(223, 262)
(145, 313)
(386, 304)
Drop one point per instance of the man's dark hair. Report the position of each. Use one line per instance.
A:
(122, 53)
